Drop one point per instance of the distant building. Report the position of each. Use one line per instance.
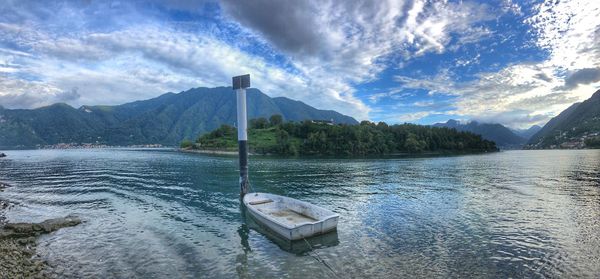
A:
(572, 145)
(325, 122)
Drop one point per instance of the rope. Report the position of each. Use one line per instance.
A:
(250, 186)
(318, 258)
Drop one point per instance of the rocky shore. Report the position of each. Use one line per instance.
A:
(18, 258)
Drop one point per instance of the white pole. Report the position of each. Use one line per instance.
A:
(242, 140)
(242, 120)
(240, 83)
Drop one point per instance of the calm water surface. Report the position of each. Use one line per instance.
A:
(171, 215)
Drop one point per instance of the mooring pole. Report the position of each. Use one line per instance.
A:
(240, 83)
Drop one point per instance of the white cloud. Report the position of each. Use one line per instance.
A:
(144, 61)
(569, 30)
(401, 117)
(32, 93)
(513, 96)
(520, 95)
(96, 48)
(337, 45)
(329, 48)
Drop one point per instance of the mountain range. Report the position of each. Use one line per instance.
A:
(172, 117)
(167, 119)
(571, 127)
(578, 126)
(501, 135)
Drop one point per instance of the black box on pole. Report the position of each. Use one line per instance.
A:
(242, 81)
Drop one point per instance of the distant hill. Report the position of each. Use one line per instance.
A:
(552, 124)
(572, 127)
(527, 133)
(502, 136)
(166, 119)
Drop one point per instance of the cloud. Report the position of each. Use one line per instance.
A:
(514, 118)
(401, 117)
(514, 96)
(320, 52)
(544, 77)
(340, 44)
(411, 117)
(286, 24)
(32, 93)
(144, 61)
(526, 93)
(568, 30)
(113, 62)
(509, 5)
(583, 76)
(365, 29)
(70, 95)
(314, 51)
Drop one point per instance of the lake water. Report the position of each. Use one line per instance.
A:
(160, 213)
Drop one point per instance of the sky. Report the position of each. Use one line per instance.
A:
(517, 63)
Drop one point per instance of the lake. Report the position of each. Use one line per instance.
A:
(165, 214)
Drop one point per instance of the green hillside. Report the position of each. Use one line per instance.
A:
(310, 138)
(573, 128)
(167, 119)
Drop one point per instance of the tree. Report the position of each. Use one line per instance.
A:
(186, 144)
(412, 144)
(284, 146)
(365, 139)
(276, 119)
(258, 123)
(593, 142)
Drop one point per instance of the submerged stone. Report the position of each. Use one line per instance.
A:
(30, 229)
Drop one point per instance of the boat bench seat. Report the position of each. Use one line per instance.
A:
(261, 202)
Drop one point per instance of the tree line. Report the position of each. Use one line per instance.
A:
(274, 136)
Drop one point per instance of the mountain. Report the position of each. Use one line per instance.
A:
(501, 135)
(552, 124)
(527, 133)
(571, 127)
(166, 119)
(298, 110)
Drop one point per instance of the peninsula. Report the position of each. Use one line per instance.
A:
(273, 136)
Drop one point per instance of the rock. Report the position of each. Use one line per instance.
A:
(17, 247)
(2, 155)
(58, 223)
(18, 258)
(35, 229)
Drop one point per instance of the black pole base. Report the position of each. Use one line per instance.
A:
(243, 154)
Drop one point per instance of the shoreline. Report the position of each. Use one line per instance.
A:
(210, 152)
(18, 243)
(339, 156)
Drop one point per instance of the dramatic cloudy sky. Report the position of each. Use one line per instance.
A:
(516, 63)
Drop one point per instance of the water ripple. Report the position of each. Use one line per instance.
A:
(164, 214)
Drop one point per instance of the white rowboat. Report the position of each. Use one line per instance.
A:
(288, 217)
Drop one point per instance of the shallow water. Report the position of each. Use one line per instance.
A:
(158, 213)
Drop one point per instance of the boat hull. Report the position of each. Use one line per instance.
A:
(290, 218)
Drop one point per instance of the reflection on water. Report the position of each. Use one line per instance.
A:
(166, 214)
